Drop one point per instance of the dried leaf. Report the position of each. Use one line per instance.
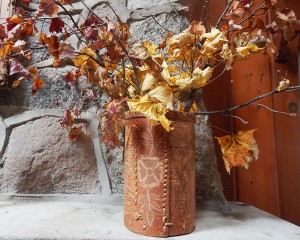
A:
(149, 82)
(155, 112)
(197, 28)
(214, 42)
(244, 52)
(152, 48)
(199, 79)
(162, 94)
(47, 7)
(56, 25)
(67, 119)
(238, 150)
(37, 84)
(16, 83)
(17, 67)
(2, 32)
(74, 133)
(283, 84)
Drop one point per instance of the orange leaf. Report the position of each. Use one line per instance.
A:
(47, 7)
(16, 83)
(74, 133)
(37, 84)
(238, 150)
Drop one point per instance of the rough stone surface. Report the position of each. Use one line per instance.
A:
(57, 93)
(114, 162)
(155, 29)
(208, 182)
(133, 4)
(40, 158)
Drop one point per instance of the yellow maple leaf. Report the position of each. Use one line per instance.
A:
(149, 82)
(155, 112)
(5, 49)
(82, 59)
(214, 41)
(244, 52)
(152, 48)
(165, 73)
(238, 150)
(199, 79)
(180, 46)
(162, 94)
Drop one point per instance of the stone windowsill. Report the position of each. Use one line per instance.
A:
(99, 217)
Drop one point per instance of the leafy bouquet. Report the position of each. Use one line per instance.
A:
(144, 76)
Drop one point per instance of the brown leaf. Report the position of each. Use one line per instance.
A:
(196, 27)
(47, 7)
(2, 32)
(37, 84)
(74, 133)
(238, 150)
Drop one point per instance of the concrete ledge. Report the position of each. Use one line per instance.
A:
(100, 217)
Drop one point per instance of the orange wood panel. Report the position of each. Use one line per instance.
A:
(257, 185)
(287, 130)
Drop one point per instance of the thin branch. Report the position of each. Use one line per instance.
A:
(68, 13)
(167, 30)
(237, 117)
(223, 14)
(273, 110)
(289, 89)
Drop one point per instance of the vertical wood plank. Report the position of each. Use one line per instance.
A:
(258, 185)
(287, 132)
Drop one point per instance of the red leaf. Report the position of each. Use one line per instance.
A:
(91, 21)
(70, 77)
(17, 67)
(56, 25)
(67, 120)
(74, 133)
(2, 32)
(91, 33)
(37, 84)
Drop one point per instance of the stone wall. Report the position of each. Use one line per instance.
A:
(36, 156)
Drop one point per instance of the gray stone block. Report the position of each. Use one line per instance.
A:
(39, 158)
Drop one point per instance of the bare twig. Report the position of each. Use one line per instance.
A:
(289, 89)
(237, 117)
(273, 110)
(223, 14)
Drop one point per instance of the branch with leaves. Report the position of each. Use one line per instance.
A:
(151, 78)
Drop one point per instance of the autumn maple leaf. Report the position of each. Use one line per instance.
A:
(17, 67)
(74, 133)
(238, 150)
(47, 7)
(2, 32)
(56, 25)
(37, 84)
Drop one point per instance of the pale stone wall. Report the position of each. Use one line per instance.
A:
(36, 156)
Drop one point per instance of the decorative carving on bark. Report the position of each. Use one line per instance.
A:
(159, 172)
